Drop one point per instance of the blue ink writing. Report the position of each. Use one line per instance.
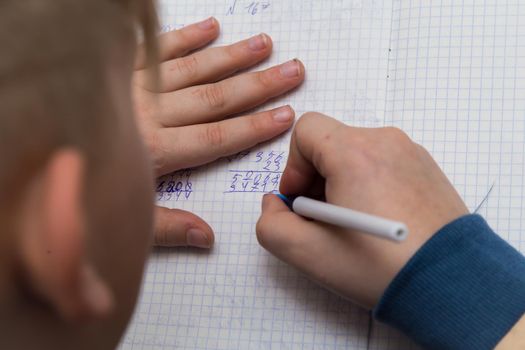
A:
(249, 7)
(261, 175)
(175, 187)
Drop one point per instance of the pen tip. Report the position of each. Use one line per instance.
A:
(286, 200)
(283, 197)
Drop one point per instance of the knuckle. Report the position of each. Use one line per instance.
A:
(257, 124)
(161, 236)
(327, 145)
(231, 52)
(143, 102)
(352, 140)
(173, 41)
(187, 66)
(264, 79)
(361, 152)
(214, 135)
(308, 120)
(302, 125)
(157, 150)
(213, 96)
(394, 134)
(398, 143)
(309, 117)
(179, 38)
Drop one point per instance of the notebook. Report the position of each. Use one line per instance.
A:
(449, 73)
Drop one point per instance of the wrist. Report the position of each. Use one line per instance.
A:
(463, 280)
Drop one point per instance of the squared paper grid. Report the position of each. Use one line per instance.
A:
(457, 88)
(450, 74)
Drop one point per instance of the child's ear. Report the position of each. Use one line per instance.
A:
(54, 241)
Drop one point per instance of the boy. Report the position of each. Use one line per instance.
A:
(68, 145)
(75, 184)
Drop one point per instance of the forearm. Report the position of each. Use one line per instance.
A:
(465, 288)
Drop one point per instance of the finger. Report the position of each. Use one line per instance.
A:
(308, 147)
(180, 42)
(212, 102)
(175, 228)
(205, 143)
(210, 65)
(274, 209)
(328, 255)
(294, 238)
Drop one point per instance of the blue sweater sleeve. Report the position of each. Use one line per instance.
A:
(464, 289)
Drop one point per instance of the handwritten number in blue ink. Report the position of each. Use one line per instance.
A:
(256, 182)
(247, 179)
(269, 161)
(175, 185)
(249, 175)
(255, 7)
(233, 186)
(252, 8)
(277, 161)
(265, 182)
(275, 180)
(178, 189)
(171, 187)
(188, 190)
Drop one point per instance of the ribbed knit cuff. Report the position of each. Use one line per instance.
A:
(464, 289)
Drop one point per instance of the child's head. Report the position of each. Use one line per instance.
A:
(75, 185)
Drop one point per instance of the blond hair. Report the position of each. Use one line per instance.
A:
(54, 82)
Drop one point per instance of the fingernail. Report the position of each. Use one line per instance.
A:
(283, 115)
(207, 24)
(258, 43)
(197, 238)
(290, 69)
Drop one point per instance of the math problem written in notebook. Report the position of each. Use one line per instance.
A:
(449, 73)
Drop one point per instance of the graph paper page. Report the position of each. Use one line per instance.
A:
(432, 69)
(457, 86)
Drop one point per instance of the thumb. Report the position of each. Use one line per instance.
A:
(176, 228)
(280, 231)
